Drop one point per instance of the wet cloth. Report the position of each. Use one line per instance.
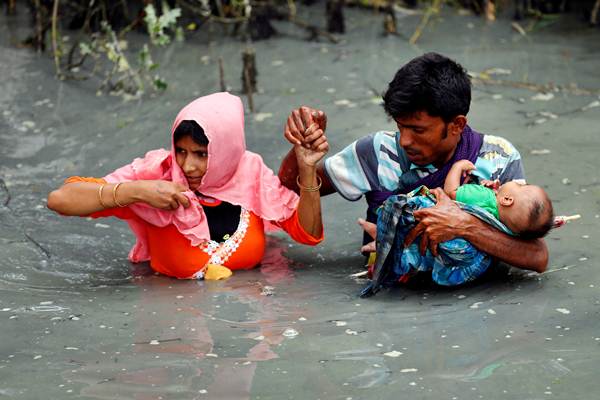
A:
(478, 195)
(457, 262)
(233, 175)
(172, 254)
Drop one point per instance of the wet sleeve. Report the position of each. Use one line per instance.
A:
(296, 231)
(119, 212)
(353, 170)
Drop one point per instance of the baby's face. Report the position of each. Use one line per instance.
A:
(515, 200)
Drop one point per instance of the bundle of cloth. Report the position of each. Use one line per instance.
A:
(457, 262)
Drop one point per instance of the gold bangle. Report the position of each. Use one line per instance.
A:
(115, 195)
(309, 188)
(100, 196)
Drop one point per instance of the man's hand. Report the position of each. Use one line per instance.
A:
(439, 223)
(371, 229)
(300, 121)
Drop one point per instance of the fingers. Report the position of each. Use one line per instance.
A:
(413, 234)
(369, 248)
(292, 133)
(423, 243)
(306, 114)
(297, 119)
(439, 194)
(182, 199)
(180, 187)
(368, 227)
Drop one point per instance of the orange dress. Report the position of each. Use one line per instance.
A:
(172, 254)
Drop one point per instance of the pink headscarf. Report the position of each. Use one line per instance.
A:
(233, 174)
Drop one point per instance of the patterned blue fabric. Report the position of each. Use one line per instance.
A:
(458, 261)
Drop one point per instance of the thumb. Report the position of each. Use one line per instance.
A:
(369, 227)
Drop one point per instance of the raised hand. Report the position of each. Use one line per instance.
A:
(300, 120)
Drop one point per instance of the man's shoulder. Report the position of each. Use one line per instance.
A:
(498, 145)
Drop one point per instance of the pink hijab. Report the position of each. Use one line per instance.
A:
(233, 174)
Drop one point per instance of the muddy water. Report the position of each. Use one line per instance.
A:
(80, 321)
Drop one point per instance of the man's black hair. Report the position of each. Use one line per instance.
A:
(432, 83)
(192, 129)
(541, 219)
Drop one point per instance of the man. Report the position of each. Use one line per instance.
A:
(429, 99)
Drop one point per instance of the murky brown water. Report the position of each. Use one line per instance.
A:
(79, 321)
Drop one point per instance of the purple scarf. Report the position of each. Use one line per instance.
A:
(467, 149)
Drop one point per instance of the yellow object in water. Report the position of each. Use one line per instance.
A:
(215, 272)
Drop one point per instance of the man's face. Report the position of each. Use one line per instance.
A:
(426, 139)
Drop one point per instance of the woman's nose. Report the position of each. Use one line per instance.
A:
(188, 166)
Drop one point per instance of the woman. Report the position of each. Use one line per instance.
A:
(206, 203)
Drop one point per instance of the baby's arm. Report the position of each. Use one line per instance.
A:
(459, 169)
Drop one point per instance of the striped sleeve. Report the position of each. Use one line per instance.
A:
(353, 171)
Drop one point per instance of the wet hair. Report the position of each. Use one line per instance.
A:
(432, 83)
(541, 218)
(192, 129)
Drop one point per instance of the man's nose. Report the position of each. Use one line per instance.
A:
(405, 139)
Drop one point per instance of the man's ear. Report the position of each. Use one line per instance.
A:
(457, 125)
(507, 201)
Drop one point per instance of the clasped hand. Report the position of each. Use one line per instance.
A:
(305, 129)
(165, 195)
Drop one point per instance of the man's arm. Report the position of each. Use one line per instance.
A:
(446, 221)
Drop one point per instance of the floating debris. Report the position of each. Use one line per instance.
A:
(593, 104)
(491, 311)
(301, 319)
(498, 71)
(543, 97)
(497, 96)
(406, 370)
(37, 357)
(345, 102)
(461, 296)
(259, 338)
(563, 311)
(540, 152)
(566, 181)
(213, 355)
(267, 291)
(103, 226)
(154, 342)
(262, 116)
(277, 63)
(393, 353)
(290, 333)
(476, 304)
(351, 332)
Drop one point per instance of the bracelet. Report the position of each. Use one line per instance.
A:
(309, 188)
(100, 196)
(115, 195)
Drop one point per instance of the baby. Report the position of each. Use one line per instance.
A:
(524, 209)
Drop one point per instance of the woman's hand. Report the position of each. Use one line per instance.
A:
(165, 195)
(314, 147)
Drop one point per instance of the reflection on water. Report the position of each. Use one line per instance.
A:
(78, 320)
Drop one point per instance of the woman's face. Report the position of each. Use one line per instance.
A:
(192, 158)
